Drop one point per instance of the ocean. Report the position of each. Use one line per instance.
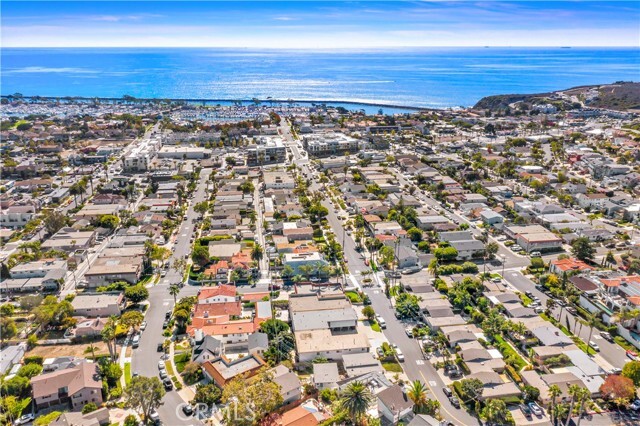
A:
(425, 77)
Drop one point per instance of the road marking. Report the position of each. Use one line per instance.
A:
(165, 304)
(433, 384)
(420, 361)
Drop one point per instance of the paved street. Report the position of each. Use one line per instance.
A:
(145, 358)
(611, 352)
(415, 366)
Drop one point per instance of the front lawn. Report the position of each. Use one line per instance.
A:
(127, 372)
(393, 367)
(509, 353)
(375, 326)
(181, 360)
(353, 296)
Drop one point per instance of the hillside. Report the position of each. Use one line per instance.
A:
(620, 96)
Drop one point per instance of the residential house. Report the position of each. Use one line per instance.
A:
(222, 370)
(393, 404)
(325, 375)
(73, 387)
(98, 304)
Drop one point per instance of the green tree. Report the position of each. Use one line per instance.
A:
(632, 371)
(136, 293)
(8, 328)
(7, 310)
(368, 313)
(407, 305)
(583, 249)
(132, 319)
(111, 371)
(54, 221)
(273, 327)
(30, 370)
(144, 394)
(12, 407)
(531, 393)
(89, 407)
(491, 249)
(554, 392)
(174, 290)
(355, 400)
(200, 255)
(495, 411)
(418, 394)
(207, 394)
(414, 234)
(471, 389)
(257, 252)
(130, 420)
(253, 399)
(109, 221)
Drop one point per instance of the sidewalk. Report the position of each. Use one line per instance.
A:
(186, 393)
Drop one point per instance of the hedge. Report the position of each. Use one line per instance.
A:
(34, 359)
(514, 374)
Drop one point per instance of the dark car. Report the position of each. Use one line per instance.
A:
(187, 409)
(160, 347)
(167, 314)
(525, 410)
(454, 401)
(168, 384)
(165, 324)
(447, 391)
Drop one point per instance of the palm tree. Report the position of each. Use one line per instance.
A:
(554, 393)
(433, 267)
(574, 391)
(108, 334)
(418, 394)
(584, 397)
(591, 321)
(257, 253)
(551, 305)
(174, 290)
(356, 400)
(561, 411)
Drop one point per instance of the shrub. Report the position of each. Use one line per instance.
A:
(34, 359)
(88, 408)
(514, 374)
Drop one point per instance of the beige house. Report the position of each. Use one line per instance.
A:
(74, 387)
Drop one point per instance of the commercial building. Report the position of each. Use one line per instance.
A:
(268, 150)
(319, 145)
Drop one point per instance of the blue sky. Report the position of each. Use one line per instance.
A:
(306, 24)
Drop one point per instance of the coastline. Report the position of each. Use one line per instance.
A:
(409, 108)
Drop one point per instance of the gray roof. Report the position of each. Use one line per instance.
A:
(287, 382)
(468, 245)
(209, 344)
(424, 420)
(258, 340)
(394, 398)
(456, 236)
(314, 320)
(326, 373)
(551, 336)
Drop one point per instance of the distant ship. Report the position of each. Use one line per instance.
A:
(565, 47)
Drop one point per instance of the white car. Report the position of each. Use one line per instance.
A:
(635, 406)
(24, 419)
(399, 355)
(143, 325)
(594, 346)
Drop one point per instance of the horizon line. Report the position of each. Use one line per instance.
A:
(330, 48)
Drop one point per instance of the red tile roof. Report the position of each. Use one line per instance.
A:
(221, 290)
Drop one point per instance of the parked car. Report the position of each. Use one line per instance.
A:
(525, 410)
(136, 341)
(154, 416)
(572, 310)
(24, 419)
(381, 322)
(380, 352)
(454, 401)
(447, 391)
(635, 406)
(606, 336)
(409, 332)
(594, 346)
(161, 365)
(160, 347)
(165, 324)
(399, 355)
(143, 325)
(535, 409)
(163, 374)
(631, 354)
(187, 409)
(168, 384)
